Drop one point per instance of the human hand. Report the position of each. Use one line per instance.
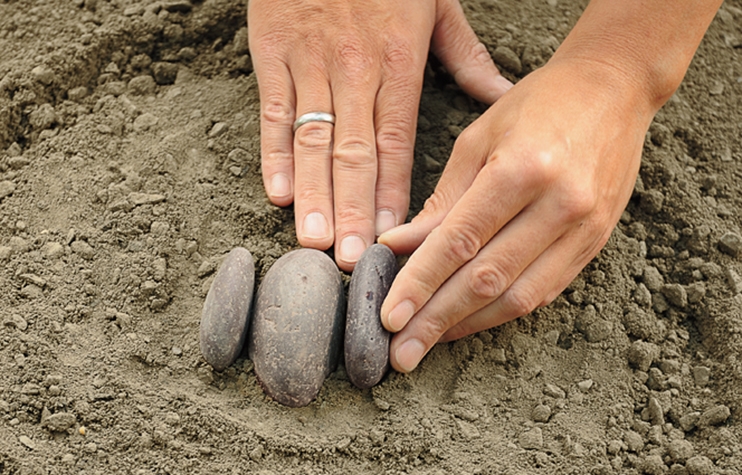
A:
(363, 62)
(530, 194)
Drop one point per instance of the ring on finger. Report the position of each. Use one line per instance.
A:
(313, 117)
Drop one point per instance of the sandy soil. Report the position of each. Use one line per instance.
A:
(129, 165)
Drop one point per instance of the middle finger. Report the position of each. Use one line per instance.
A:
(354, 86)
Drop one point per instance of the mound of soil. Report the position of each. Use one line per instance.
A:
(129, 166)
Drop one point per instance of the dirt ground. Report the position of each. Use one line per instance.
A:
(129, 165)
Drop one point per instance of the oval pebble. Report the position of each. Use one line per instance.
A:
(226, 314)
(366, 340)
(297, 328)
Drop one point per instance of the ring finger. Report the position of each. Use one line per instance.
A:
(313, 200)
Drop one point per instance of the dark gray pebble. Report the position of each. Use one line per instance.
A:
(226, 314)
(297, 330)
(366, 340)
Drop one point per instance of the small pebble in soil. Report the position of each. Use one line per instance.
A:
(532, 439)
(226, 314)
(642, 354)
(164, 73)
(507, 58)
(652, 278)
(218, 129)
(714, 416)
(25, 440)
(652, 201)
(680, 450)
(142, 85)
(701, 375)
(700, 465)
(675, 294)
(688, 421)
(145, 122)
(730, 243)
(6, 188)
(634, 442)
(541, 413)
(734, 281)
(366, 340)
(554, 391)
(584, 386)
(297, 329)
(653, 465)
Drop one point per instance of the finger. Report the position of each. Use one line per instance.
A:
(465, 57)
(476, 217)
(354, 164)
(481, 281)
(277, 101)
(534, 286)
(313, 202)
(460, 173)
(396, 119)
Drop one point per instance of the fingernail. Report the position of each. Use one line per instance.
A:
(351, 248)
(400, 315)
(391, 233)
(503, 83)
(385, 220)
(315, 226)
(280, 186)
(409, 354)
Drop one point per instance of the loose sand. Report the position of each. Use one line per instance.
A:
(119, 196)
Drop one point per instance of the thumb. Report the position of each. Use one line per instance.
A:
(464, 56)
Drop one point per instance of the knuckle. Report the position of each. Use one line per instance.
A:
(488, 281)
(480, 54)
(273, 157)
(541, 167)
(352, 217)
(354, 153)
(311, 192)
(432, 328)
(352, 58)
(470, 139)
(463, 245)
(394, 137)
(435, 204)
(466, 139)
(577, 203)
(398, 55)
(522, 300)
(314, 136)
(277, 112)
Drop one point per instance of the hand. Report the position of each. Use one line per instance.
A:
(530, 194)
(363, 62)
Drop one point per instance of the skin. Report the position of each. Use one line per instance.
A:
(351, 182)
(533, 188)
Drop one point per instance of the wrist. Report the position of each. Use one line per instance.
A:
(649, 44)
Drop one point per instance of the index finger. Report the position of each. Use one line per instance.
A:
(480, 213)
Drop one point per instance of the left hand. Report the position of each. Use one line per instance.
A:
(363, 62)
(531, 193)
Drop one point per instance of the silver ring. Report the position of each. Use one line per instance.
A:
(313, 117)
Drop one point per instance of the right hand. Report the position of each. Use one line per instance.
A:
(363, 62)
